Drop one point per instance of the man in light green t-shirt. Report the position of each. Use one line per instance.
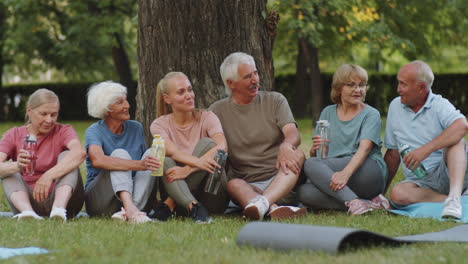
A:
(262, 136)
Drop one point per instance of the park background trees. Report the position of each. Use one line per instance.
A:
(90, 41)
(81, 41)
(371, 33)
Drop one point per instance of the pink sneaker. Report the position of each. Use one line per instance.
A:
(120, 215)
(379, 202)
(139, 218)
(358, 206)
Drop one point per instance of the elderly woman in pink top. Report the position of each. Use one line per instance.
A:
(192, 138)
(55, 188)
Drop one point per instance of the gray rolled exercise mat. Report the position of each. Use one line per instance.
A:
(332, 239)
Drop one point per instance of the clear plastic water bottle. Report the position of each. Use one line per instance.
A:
(30, 145)
(420, 171)
(323, 130)
(214, 179)
(158, 151)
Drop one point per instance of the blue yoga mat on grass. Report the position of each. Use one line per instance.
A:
(431, 210)
(11, 252)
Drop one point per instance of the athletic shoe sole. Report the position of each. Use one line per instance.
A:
(58, 218)
(451, 215)
(251, 213)
(285, 212)
(208, 221)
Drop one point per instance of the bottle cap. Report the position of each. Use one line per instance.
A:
(31, 137)
(323, 123)
(402, 147)
(156, 136)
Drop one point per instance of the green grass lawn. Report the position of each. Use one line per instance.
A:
(180, 241)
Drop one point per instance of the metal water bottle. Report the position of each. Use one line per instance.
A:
(158, 151)
(420, 171)
(323, 130)
(214, 179)
(30, 145)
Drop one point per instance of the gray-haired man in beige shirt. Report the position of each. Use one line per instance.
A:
(262, 136)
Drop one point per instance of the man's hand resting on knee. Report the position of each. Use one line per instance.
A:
(289, 159)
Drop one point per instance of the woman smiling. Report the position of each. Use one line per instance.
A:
(118, 181)
(355, 170)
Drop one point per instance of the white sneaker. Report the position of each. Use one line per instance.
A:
(452, 208)
(58, 213)
(257, 208)
(120, 215)
(28, 215)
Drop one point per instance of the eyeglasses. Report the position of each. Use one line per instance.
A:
(355, 86)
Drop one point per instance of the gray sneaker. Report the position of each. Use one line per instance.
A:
(452, 208)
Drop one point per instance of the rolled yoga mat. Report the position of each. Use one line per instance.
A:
(330, 239)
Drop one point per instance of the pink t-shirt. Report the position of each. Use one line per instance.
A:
(186, 137)
(48, 147)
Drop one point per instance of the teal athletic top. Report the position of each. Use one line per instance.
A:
(345, 136)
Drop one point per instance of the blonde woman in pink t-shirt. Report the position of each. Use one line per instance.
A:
(55, 188)
(192, 138)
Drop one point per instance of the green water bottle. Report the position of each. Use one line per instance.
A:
(420, 171)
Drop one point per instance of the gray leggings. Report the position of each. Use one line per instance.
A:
(185, 191)
(15, 182)
(101, 194)
(366, 183)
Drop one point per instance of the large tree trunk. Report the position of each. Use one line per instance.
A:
(315, 83)
(194, 37)
(308, 96)
(2, 62)
(122, 66)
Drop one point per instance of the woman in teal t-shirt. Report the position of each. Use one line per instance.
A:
(354, 170)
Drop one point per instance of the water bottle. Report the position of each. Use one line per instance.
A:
(323, 130)
(420, 171)
(214, 179)
(30, 145)
(158, 151)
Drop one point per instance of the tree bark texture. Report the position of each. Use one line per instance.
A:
(308, 97)
(194, 37)
(122, 66)
(2, 63)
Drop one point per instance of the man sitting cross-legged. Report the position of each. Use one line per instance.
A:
(434, 130)
(262, 137)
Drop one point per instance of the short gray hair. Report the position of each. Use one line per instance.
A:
(425, 73)
(229, 67)
(102, 95)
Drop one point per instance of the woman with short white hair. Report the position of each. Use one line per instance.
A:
(54, 188)
(118, 180)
